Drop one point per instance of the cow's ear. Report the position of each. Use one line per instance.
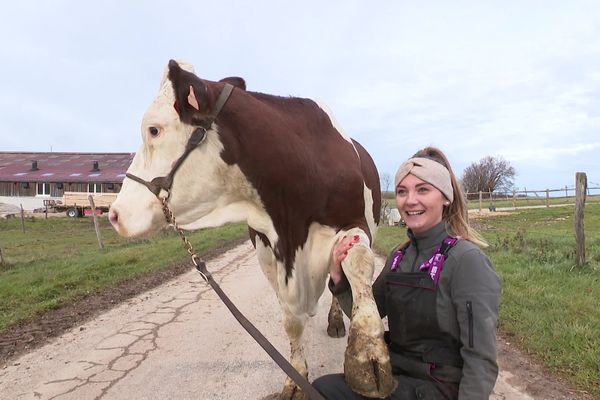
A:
(236, 81)
(192, 101)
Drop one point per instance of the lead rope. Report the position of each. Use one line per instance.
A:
(280, 360)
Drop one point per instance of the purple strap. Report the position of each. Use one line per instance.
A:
(434, 263)
(397, 258)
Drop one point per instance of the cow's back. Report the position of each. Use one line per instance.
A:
(303, 168)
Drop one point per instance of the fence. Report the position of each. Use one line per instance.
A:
(527, 198)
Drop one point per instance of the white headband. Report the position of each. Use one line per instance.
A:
(428, 170)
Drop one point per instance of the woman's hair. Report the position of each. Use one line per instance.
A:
(456, 214)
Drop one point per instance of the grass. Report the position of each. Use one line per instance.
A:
(503, 202)
(528, 201)
(550, 307)
(58, 260)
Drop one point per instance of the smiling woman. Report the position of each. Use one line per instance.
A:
(438, 290)
(421, 204)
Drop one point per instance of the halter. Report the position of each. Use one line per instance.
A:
(161, 183)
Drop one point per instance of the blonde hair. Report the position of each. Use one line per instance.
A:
(456, 214)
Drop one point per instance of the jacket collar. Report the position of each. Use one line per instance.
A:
(429, 238)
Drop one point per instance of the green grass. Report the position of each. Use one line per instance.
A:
(550, 307)
(503, 202)
(527, 201)
(58, 260)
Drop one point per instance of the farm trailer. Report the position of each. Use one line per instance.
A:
(76, 204)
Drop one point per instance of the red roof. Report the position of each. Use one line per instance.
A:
(63, 167)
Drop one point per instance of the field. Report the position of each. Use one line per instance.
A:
(508, 202)
(550, 307)
(57, 261)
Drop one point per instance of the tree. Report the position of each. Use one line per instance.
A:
(385, 180)
(488, 175)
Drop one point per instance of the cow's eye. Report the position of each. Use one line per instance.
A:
(154, 131)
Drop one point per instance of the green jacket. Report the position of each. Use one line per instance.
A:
(467, 277)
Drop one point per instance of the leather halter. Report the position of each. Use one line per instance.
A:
(161, 183)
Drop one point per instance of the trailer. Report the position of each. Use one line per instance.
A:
(77, 204)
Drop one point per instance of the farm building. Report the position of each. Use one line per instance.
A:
(31, 178)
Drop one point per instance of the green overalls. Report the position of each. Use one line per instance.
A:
(418, 347)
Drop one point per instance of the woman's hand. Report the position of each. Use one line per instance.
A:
(339, 252)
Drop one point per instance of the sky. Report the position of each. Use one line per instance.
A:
(516, 79)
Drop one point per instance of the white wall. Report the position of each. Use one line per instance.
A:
(29, 203)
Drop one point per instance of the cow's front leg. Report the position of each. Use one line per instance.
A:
(367, 366)
(294, 327)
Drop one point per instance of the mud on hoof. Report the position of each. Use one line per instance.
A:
(292, 392)
(335, 321)
(367, 367)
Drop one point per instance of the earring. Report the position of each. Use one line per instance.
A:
(447, 203)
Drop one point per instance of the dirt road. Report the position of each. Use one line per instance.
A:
(178, 341)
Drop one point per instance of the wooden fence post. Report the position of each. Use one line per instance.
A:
(1, 257)
(547, 198)
(96, 226)
(22, 219)
(514, 199)
(480, 197)
(566, 193)
(580, 193)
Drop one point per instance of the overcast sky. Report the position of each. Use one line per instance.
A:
(514, 79)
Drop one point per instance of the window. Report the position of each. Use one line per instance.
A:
(94, 188)
(43, 189)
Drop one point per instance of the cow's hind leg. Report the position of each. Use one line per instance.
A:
(367, 366)
(294, 327)
(335, 320)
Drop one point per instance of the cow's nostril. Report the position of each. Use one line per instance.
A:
(113, 217)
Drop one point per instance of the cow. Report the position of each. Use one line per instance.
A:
(283, 166)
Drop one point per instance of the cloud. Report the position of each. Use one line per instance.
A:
(515, 79)
(550, 153)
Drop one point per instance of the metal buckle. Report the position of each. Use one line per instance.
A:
(201, 267)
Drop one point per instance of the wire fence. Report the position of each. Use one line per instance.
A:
(494, 201)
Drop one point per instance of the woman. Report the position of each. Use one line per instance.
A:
(438, 290)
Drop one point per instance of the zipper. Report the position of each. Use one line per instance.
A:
(414, 263)
(470, 317)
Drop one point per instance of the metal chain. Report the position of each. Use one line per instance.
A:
(247, 325)
(171, 220)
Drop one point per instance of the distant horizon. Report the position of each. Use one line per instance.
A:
(591, 185)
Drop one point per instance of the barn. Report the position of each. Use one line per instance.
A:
(31, 178)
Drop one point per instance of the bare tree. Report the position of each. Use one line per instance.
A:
(488, 175)
(386, 180)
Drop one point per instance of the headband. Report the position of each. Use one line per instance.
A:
(430, 171)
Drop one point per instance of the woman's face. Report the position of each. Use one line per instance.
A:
(421, 204)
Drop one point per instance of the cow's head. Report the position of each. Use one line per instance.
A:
(200, 185)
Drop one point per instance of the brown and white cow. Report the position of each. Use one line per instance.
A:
(283, 166)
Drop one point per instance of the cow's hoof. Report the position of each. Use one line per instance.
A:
(335, 321)
(292, 392)
(367, 367)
